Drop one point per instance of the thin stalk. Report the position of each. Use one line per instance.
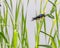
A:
(52, 40)
(44, 18)
(17, 13)
(48, 46)
(39, 26)
(57, 26)
(53, 24)
(24, 38)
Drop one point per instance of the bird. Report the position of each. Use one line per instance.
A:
(38, 17)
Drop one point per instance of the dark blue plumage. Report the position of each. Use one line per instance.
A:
(39, 16)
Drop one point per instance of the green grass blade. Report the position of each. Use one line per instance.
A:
(53, 24)
(53, 7)
(44, 9)
(3, 36)
(52, 40)
(50, 16)
(57, 26)
(39, 26)
(40, 6)
(24, 31)
(52, 2)
(6, 3)
(11, 3)
(17, 13)
(15, 39)
(12, 22)
(44, 26)
(46, 34)
(47, 46)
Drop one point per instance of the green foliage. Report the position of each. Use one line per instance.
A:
(2, 36)
(22, 36)
(50, 16)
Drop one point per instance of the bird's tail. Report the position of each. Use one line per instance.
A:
(34, 19)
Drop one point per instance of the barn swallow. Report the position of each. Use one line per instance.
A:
(39, 16)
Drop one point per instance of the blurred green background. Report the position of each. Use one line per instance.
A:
(17, 30)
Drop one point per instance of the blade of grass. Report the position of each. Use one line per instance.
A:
(44, 18)
(10, 9)
(53, 7)
(46, 34)
(17, 13)
(53, 24)
(40, 6)
(52, 40)
(11, 3)
(50, 16)
(6, 3)
(5, 19)
(1, 28)
(57, 26)
(3, 36)
(44, 9)
(39, 26)
(24, 31)
(15, 39)
(48, 46)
